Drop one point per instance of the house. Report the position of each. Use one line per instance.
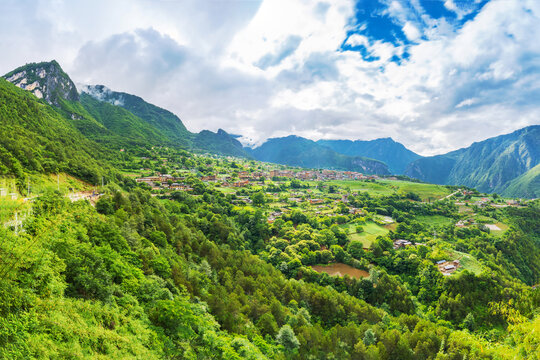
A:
(460, 224)
(316, 201)
(241, 183)
(401, 243)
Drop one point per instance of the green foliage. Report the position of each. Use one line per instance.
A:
(36, 138)
(287, 339)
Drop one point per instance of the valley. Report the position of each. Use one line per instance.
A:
(124, 235)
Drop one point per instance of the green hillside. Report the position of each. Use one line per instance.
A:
(526, 185)
(126, 127)
(36, 138)
(162, 120)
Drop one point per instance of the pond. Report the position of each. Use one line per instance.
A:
(339, 269)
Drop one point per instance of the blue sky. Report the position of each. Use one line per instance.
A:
(434, 75)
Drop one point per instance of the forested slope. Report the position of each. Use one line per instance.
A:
(36, 138)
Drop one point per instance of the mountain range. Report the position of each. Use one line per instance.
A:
(98, 116)
(499, 164)
(394, 154)
(116, 118)
(297, 151)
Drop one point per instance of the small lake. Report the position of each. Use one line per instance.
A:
(339, 269)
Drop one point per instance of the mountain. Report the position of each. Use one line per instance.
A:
(46, 80)
(124, 127)
(489, 165)
(115, 118)
(219, 143)
(526, 185)
(394, 154)
(297, 151)
(163, 123)
(163, 120)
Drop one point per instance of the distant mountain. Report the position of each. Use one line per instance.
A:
(219, 143)
(46, 80)
(297, 151)
(394, 154)
(489, 165)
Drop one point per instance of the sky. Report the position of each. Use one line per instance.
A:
(433, 75)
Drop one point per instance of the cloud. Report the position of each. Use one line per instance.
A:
(286, 49)
(411, 31)
(435, 80)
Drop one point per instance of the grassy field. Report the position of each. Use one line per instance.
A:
(226, 190)
(388, 187)
(466, 261)
(437, 220)
(370, 233)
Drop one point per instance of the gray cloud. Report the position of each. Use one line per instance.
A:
(287, 48)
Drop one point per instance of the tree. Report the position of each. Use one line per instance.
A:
(287, 338)
(258, 199)
(369, 337)
(469, 322)
(267, 324)
(356, 249)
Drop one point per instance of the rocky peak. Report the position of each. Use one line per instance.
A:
(46, 80)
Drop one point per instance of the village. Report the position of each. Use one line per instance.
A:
(244, 178)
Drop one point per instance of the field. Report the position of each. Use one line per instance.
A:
(437, 220)
(427, 192)
(467, 262)
(370, 233)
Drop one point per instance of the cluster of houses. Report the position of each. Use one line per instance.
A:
(273, 216)
(401, 243)
(321, 175)
(447, 267)
(164, 181)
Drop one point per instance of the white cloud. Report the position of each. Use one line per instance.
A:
(276, 67)
(411, 32)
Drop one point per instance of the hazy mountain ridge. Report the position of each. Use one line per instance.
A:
(297, 151)
(489, 165)
(394, 154)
